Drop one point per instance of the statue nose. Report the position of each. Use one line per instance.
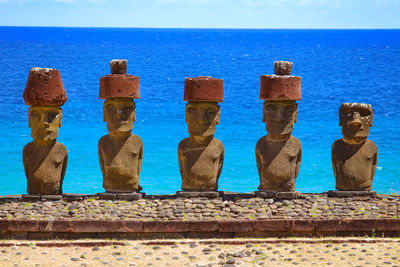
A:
(356, 120)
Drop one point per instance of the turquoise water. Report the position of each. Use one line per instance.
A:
(336, 66)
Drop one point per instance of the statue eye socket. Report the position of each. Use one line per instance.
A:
(51, 116)
(35, 113)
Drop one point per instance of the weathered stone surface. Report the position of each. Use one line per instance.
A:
(196, 194)
(204, 88)
(265, 194)
(278, 154)
(354, 157)
(129, 196)
(44, 87)
(201, 155)
(118, 66)
(120, 152)
(51, 197)
(236, 226)
(45, 160)
(287, 195)
(166, 226)
(119, 84)
(74, 196)
(334, 193)
(283, 67)
(28, 197)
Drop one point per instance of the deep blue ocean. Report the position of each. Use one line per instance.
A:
(335, 65)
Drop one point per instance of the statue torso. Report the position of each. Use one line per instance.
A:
(200, 165)
(45, 168)
(276, 162)
(120, 161)
(355, 165)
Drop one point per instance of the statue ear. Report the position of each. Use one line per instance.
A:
(104, 111)
(134, 115)
(218, 115)
(60, 113)
(370, 123)
(263, 112)
(186, 112)
(295, 114)
(29, 117)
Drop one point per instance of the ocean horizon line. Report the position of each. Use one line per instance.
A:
(192, 28)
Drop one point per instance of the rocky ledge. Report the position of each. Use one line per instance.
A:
(197, 207)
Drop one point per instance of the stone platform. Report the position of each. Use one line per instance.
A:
(227, 215)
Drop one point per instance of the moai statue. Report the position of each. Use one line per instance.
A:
(354, 157)
(120, 151)
(278, 154)
(201, 156)
(45, 160)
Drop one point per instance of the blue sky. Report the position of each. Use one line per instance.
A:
(362, 14)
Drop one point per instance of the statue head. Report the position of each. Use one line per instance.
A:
(44, 122)
(202, 117)
(280, 116)
(119, 113)
(355, 119)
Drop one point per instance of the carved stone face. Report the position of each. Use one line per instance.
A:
(279, 116)
(355, 119)
(202, 117)
(119, 113)
(44, 121)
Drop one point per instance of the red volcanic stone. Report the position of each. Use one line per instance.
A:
(203, 226)
(23, 226)
(274, 87)
(234, 226)
(118, 66)
(119, 85)
(303, 226)
(204, 89)
(273, 225)
(44, 87)
(165, 227)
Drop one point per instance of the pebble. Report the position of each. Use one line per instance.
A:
(313, 206)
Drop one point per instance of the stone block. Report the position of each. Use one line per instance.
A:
(74, 197)
(165, 226)
(232, 196)
(129, 196)
(203, 226)
(337, 193)
(106, 196)
(264, 194)
(303, 226)
(274, 87)
(44, 87)
(287, 195)
(204, 88)
(29, 197)
(12, 197)
(235, 226)
(51, 197)
(119, 85)
(197, 194)
(273, 225)
(23, 226)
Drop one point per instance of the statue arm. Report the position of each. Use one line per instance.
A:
(375, 162)
(334, 160)
(258, 161)
(140, 160)
(221, 163)
(101, 160)
(64, 168)
(180, 159)
(298, 162)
